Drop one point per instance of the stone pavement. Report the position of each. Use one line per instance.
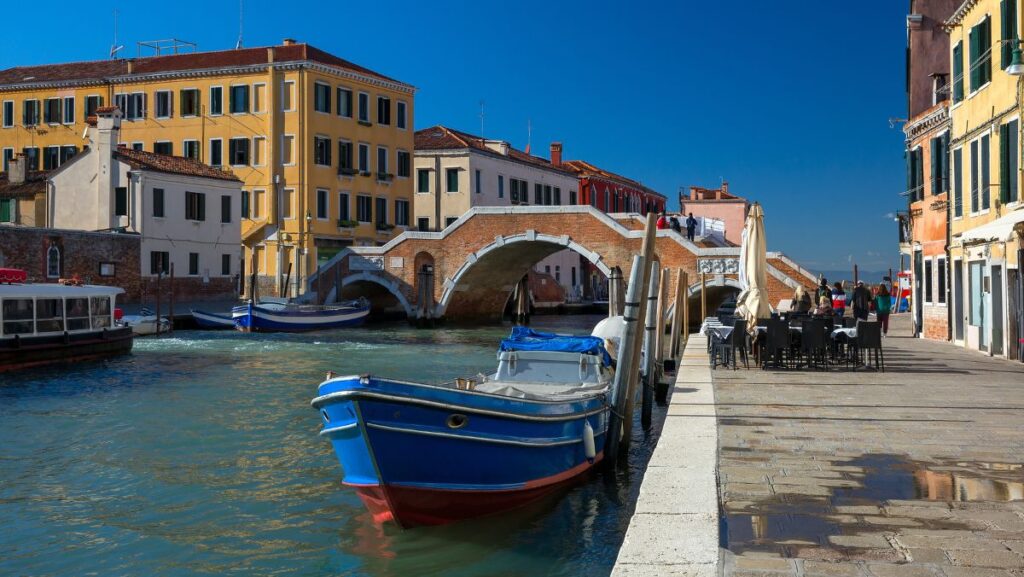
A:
(916, 471)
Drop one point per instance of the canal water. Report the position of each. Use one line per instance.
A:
(198, 454)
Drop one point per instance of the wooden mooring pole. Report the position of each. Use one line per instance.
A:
(686, 308)
(650, 358)
(677, 320)
(625, 371)
(703, 297)
(158, 275)
(170, 314)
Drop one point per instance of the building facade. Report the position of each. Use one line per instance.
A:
(985, 150)
(608, 191)
(928, 165)
(323, 146)
(717, 205)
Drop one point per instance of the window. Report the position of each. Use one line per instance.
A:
(401, 213)
(31, 157)
(108, 269)
(383, 110)
(450, 220)
(501, 186)
(422, 180)
(343, 209)
(8, 156)
(216, 152)
(423, 224)
(403, 164)
(364, 107)
(400, 114)
(345, 157)
(288, 149)
(928, 297)
(30, 113)
(519, 191)
(547, 195)
(121, 201)
(364, 158)
(225, 208)
(558, 196)
(67, 153)
(51, 157)
(193, 263)
(364, 206)
(940, 163)
(940, 288)
(382, 212)
(69, 110)
(138, 146)
(163, 104)
(986, 182)
(477, 184)
(225, 265)
(190, 102)
(158, 202)
(53, 262)
(163, 147)
(257, 203)
(321, 98)
(91, 104)
(259, 98)
(216, 100)
(239, 99)
(538, 194)
(133, 105)
(382, 163)
(159, 262)
(8, 209)
(980, 52)
(8, 113)
(321, 151)
(1008, 162)
(190, 149)
(1008, 29)
(51, 111)
(195, 206)
(238, 151)
(344, 102)
(915, 175)
(245, 203)
(259, 150)
(321, 204)
(958, 183)
(451, 178)
(288, 95)
(287, 202)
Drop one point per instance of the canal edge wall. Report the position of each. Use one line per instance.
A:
(674, 528)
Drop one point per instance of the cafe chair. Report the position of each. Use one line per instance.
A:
(849, 322)
(814, 345)
(726, 349)
(869, 342)
(776, 348)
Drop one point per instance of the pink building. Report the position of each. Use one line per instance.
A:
(717, 204)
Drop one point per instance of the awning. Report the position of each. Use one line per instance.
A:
(1000, 229)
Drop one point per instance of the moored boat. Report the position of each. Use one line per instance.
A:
(53, 323)
(207, 320)
(420, 454)
(292, 317)
(146, 323)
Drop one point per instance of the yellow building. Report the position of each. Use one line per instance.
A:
(323, 146)
(986, 211)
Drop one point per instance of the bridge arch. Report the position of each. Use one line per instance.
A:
(499, 264)
(391, 286)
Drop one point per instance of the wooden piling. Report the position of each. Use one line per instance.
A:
(650, 355)
(703, 297)
(647, 251)
(625, 371)
(677, 316)
(614, 292)
(685, 335)
(170, 314)
(158, 275)
(659, 348)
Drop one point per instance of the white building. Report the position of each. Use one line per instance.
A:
(187, 213)
(456, 171)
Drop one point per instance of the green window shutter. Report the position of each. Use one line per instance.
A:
(958, 73)
(1006, 33)
(936, 171)
(920, 174)
(986, 50)
(910, 174)
(1004, 162)
(973, 44)
(5, 210)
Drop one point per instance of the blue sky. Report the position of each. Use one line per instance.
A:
(788, 101)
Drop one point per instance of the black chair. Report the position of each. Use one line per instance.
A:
(725, 349)
(869, 342)
(849, 322)
(777, 346)
(814, 343)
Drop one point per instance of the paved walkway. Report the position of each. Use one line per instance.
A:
(913, 472)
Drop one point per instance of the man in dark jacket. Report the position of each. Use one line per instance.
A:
(691, 227)
(861, 301)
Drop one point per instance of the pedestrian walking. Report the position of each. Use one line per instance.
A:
(838, 301)
(861, 301)
(691, 227)
(673, 222)
(823, 290)
(662, 221)
(801, 302)
(883, 306)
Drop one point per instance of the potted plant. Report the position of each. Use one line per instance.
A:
(343, 223)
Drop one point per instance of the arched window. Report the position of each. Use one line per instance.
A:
(53, 262)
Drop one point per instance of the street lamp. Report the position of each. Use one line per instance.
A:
(1016, 67)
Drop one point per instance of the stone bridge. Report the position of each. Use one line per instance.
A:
(478, 259)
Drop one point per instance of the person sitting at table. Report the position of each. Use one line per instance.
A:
(824, 309)
(801, 302)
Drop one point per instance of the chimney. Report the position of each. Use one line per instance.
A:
(16, 169)
(693, 193)
(556, 153)
(725, 186)
(288, 42)
(106, 135)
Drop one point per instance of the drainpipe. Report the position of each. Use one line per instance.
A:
(300, 259)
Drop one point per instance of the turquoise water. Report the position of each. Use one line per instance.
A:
(198, 454)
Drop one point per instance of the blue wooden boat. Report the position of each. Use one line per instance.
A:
(421, 454)
(212, 321)
(276, 316)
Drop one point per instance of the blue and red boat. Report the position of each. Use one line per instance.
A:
(420, 454)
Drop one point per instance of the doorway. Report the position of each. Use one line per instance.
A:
(918, 293)
(958, 301)
(996, 290)
(977, 336)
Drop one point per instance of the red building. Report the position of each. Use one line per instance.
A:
(607, 191)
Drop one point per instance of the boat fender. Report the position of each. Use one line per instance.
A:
(330, 375)
(588, 442)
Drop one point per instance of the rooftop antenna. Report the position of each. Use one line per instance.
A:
(241, 7)
(481, 118)
(115, 47)
(529, 135)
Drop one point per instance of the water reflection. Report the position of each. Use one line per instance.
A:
(941, 486)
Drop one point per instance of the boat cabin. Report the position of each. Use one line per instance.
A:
(28, 310)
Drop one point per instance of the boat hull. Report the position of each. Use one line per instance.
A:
(426, 455)
(52, 349)
(213, 321)
(262, 319)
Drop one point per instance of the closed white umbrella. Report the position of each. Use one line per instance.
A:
(753, 303)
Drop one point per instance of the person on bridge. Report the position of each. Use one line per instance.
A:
(691, 227)
(662, 221)
(673, 223)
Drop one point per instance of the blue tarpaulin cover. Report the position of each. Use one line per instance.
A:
(527, 339)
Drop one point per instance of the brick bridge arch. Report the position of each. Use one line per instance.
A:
(478, 259)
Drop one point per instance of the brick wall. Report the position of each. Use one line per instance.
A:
(81, 254)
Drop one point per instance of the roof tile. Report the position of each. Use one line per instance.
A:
(142, 160)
